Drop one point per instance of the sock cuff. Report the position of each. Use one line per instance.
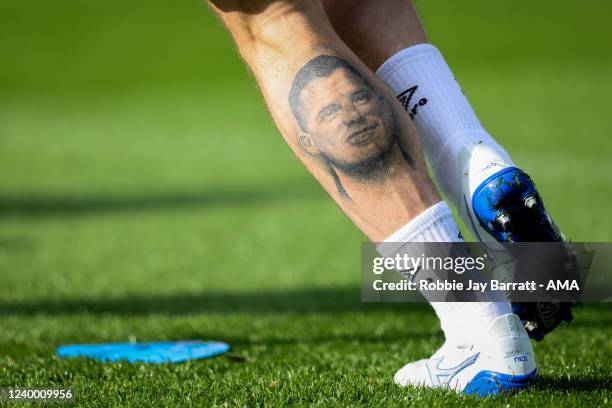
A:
(397, 60)
(436, 224)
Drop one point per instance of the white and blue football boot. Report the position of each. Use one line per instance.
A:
(500, 203)
(503, 360)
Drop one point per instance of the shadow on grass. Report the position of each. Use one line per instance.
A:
(411, 333)
(592, 323)
(306, 300)
(16, 244)
(603, 381)
(66, 205)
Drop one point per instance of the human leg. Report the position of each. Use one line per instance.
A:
(350, 133)
(495, 199)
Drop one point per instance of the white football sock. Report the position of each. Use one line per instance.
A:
(461, 322)
(447, 124)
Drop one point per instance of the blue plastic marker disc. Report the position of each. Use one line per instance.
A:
(156, 353)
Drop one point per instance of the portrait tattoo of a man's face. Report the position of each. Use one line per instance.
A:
(344, 120)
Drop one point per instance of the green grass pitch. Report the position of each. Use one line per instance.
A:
(145, 194)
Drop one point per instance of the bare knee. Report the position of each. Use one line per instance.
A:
(349, 15)
(375, 30)
(268, 22)
(242, 6)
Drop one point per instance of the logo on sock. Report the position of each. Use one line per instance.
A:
(406, 97)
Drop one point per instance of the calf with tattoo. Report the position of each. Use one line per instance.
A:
(345, 122)
(346, 126)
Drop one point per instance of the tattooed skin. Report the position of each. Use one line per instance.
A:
(344, 120)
